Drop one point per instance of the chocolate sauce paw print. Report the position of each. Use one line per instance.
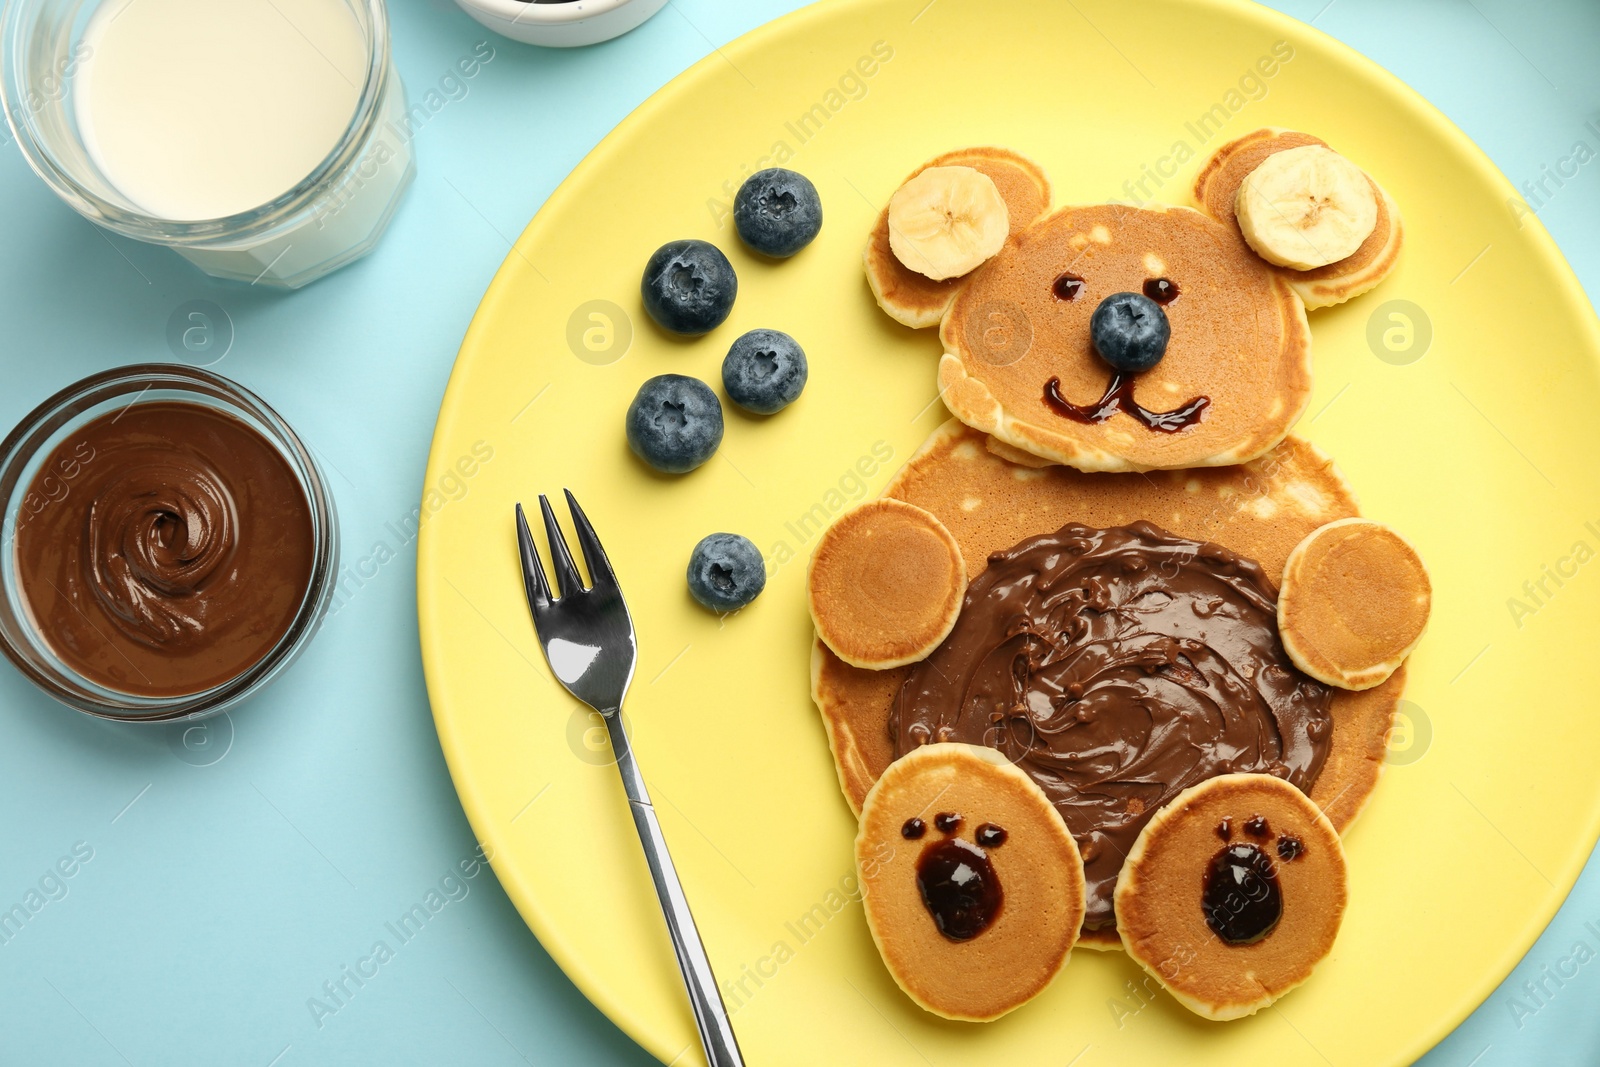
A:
(978, 857)
(1243, 900)
(1249, 921)
(959, 886)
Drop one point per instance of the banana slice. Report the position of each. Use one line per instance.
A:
(1306, 207)
(946, 221)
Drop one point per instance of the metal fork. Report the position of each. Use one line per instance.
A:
(587, 638)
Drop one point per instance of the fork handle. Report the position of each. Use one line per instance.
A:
(716, 1032)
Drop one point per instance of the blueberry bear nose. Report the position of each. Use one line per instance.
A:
(1130, 332)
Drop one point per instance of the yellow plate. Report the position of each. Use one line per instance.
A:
(1476, 435)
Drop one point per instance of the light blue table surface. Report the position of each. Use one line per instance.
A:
(234, 872)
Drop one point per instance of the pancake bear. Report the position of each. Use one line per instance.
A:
(1114, 601)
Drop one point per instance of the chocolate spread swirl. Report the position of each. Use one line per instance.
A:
(156, 534)
(164, 549)
(1118, 668)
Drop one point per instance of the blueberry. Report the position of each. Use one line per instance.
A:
(688, 286)
(777, 212)
(764, 371)
(726, 572)
(1130, 331)
(674, 423)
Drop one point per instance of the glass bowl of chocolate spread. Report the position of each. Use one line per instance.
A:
(169, 544)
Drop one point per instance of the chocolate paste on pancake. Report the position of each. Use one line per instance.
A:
(1117, 668)
(172, 551)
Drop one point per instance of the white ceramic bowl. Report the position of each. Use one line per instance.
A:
(565, 25)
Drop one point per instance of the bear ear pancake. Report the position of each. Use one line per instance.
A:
(1217, 187)
(917, 301)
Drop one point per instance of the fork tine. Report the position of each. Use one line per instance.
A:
(594, 556)
(533, 579)
(567, 579)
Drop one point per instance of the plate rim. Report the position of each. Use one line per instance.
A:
(1243, 13)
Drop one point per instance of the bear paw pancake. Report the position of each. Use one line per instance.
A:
(981, 896)
(884, 585)
(1216, 189)
(917, 301)
(1232, 894)
(1354, 603)
(1020, 349)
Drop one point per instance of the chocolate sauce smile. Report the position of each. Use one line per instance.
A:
(1119, 397)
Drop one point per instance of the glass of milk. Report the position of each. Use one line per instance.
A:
(264, 140)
